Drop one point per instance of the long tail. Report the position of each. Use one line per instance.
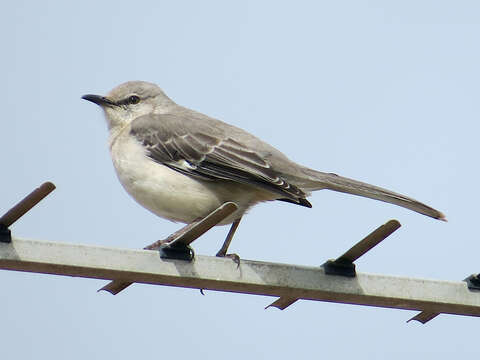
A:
(319, 180)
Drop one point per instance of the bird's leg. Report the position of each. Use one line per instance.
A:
(223, 250)
(177, 245)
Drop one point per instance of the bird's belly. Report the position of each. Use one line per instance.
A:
(171, 194)
(166, 192)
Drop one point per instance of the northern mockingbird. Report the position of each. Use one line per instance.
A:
(181, 164)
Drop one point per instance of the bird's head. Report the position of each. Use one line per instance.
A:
(129, 101)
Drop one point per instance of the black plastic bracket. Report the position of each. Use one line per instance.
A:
(5, 234)
(473, 282)
(340, 267)
(176, 251)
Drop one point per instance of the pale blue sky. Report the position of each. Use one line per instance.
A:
(384, 92)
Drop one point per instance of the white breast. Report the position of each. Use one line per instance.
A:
(169, 193)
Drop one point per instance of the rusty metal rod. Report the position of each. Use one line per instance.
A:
(26, 204)
(370, 241)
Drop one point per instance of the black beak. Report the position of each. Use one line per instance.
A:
(99, 100)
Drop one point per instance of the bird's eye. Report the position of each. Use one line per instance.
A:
(134, 99)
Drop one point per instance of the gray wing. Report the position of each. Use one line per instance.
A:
(205, 151)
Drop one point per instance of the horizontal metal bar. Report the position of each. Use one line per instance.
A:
(473, 283)
(251, 277)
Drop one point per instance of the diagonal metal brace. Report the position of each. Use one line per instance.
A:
(193, 231)
(344, 265)
(180, 239)
(21, 208)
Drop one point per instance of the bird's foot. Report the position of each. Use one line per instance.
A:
(177, 251)
(234, 257)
